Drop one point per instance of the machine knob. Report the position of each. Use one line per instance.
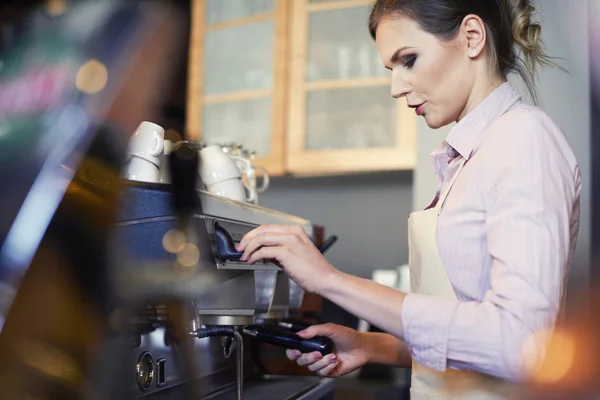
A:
(226, 245)
(145, 371)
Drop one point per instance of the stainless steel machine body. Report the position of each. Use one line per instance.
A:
(238, 295)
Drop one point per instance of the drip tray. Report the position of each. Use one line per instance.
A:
(277, 387)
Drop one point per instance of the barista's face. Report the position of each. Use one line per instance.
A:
(435, 77)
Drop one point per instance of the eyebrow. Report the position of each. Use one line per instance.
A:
(396, 55)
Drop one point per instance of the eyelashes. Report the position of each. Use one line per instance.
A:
(408, 61)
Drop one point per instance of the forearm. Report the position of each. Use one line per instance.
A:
(377, 304)
(383, 348)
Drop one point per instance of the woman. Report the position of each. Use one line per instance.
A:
(489, 256)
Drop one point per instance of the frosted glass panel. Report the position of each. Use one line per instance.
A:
(239, 58)
(351, 118)
(225, 10)
(340, 47)
(247, 122)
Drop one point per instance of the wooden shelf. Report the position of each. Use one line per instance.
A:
(236, 96)
(337, 5)
(239, 21)
(347, 83)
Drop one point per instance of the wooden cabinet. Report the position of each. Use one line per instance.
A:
(237, 76)
(341, 116)
(301, 82)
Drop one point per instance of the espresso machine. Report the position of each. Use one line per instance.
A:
(230, 304)
(120, 290)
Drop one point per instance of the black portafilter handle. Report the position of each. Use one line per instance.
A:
(290, 340)
(183, 165)
(292, 326)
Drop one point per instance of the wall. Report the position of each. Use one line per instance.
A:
(566, 98)
(367, 212)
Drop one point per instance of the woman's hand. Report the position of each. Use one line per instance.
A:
(292, 250)
(351, 351)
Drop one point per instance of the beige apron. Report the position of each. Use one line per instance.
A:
(428, 276)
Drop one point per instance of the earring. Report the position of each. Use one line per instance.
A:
(472, 53)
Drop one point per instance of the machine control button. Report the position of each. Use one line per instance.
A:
(161, 372)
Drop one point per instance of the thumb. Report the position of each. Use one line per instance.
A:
(328, 330)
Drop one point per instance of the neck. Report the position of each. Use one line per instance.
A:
(481, 90)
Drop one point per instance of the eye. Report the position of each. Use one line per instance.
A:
(409, 61)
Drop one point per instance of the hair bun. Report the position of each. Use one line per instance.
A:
(526, 35)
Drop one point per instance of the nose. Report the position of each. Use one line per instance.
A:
(400, 85)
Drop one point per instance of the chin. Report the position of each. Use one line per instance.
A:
(435, 123)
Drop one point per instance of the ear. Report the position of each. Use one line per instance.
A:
(472, 30)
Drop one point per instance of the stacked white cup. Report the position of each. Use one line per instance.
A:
(144, 153)
(221, 175)
(165, 172)
(250, 177)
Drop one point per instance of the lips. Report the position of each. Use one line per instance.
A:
(419, 108)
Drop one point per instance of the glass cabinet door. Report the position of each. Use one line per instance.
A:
(342, 117)
(237, 76)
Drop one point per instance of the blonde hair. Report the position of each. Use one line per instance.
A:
(527, 37)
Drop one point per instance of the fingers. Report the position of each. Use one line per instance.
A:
(328, 330)
(329, 370)
(293, 354)
(323, 363)
(267, 239)
(309, 358)
(323, 366)
(268, 253)
(285, 229)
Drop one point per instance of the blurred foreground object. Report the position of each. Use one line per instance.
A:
(114, 288)
(571, 367)
(65, 70)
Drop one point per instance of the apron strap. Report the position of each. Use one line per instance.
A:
(440, 203)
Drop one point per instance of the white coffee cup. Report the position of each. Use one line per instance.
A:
(233, 189)
(139, 169)
(147, 143)
(165, 174)
(216, 166)
(252, 177)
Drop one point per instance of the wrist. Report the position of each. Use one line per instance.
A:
(330, 280)
(368, 343)
(385, 349)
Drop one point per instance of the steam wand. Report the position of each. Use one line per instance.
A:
(229, 331)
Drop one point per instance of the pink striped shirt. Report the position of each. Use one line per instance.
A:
(506, 236)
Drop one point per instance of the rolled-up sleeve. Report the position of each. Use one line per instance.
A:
(427, 322)
(530, 197)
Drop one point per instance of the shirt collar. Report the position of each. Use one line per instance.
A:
(463, 136)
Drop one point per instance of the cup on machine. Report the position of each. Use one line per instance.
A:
(256, 178)
(221, 175)
(145, 152)
(164, 173)
(234, 189)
